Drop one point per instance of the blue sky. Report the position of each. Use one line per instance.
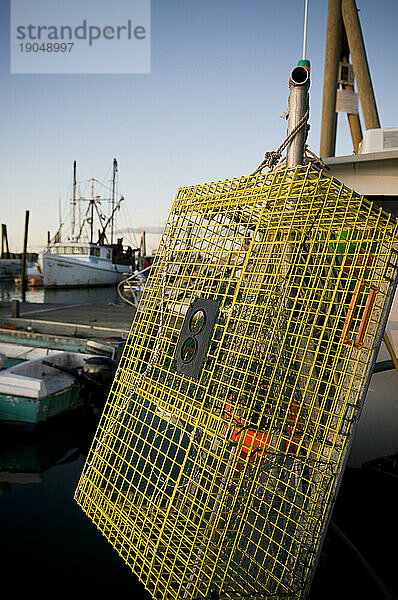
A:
(208, 110)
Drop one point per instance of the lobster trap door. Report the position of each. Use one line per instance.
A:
(226, 431)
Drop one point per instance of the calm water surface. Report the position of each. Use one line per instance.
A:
(49, 545)
(99, 295)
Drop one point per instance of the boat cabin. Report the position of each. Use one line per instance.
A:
(76, 249)
(101, 252)
(114, 254)
(92, 250)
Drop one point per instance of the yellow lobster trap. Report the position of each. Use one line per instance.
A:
(225, 434)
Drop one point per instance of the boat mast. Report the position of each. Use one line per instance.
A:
(92, 211)
(59, 219)
(79, 216)
(102, 235)
(113, 196)
(74, 202)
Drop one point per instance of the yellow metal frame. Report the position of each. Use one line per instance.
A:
(224, 483)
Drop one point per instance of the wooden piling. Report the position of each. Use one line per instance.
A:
(332, 55)
(360, 63)
(5, 250)
(25, 245)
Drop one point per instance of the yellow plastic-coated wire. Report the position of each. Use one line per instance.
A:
(216, 459)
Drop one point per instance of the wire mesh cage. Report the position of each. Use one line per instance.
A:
(225, 434)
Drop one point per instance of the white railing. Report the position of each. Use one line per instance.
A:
(134, 285)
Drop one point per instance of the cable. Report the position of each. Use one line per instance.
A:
(305, 28)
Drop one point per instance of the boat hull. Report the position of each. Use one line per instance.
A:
(64, 272)
(10, 268)
(35, 391)
(26, 414)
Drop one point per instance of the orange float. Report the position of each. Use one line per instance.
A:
(259, 441)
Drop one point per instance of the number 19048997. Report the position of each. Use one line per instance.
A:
(46, 47)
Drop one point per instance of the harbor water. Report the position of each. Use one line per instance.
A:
(94, 295)
(48, 544)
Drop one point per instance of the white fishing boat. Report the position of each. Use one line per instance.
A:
(80, 261)
(81, 265)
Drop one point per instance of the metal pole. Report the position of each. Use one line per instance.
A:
(332, 55)
(25, 245)
(360, 63)
(299, 84)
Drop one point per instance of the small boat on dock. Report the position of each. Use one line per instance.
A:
(34, 391)
(10, 268)
(11, 262)
(34, 277)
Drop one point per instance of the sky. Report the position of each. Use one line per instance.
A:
(208, 110)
